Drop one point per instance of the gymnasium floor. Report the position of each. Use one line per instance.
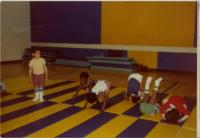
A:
(62, 116)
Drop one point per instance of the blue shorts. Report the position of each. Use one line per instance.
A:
(133, 87)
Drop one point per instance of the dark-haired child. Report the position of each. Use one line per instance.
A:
(173, 108)
(85, 83)
(134, 87)
(100, 91)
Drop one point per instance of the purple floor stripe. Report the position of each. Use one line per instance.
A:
(14, 101)
(138, 129)
(53, 95)
(46, 87)
(88, 126)
(41, 123)
(27, 110)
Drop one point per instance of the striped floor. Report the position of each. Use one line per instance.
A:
(62, 116)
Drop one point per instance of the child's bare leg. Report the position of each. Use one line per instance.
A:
(103, 99)
(155, 97)
(147, 87)
(126, 95)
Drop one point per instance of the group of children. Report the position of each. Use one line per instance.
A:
(173, 109)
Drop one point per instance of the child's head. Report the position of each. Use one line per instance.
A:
(135, 98)
(84, 76)
(172, 115)
(91, 97)
(37, 53)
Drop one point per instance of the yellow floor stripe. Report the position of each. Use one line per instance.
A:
(186, 133)
(121, 107)
(17, 106)
(31, 117)
(60, 88)
(65, 124)
(113, 92)
(16, 82)
(9, 97)
(157, 117)
(191, 122)
(113, 127)
(65, 97)
(163, 130)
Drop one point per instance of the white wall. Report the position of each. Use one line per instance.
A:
(15, 29)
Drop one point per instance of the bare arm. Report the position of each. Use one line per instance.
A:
(30, 73)
(46, 72)
(182, 119)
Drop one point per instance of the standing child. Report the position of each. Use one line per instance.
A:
(85, 83)
(134, 87)
(174, 109)
(38, 74)
(99, 91)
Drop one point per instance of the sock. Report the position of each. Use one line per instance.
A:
(157, 83)
(147, 85)
(41, 89)
(37, 90)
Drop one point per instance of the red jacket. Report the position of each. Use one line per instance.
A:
(178, 102)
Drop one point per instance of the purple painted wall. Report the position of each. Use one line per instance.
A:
(70, 22)
(177, 61)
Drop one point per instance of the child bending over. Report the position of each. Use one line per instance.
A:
(149, 104)
(174, 109)
(85, 83)
(134, 87)
(100, 91)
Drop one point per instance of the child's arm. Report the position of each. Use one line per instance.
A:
(182, 119)
(46, 72)
(30, 73)
(77, 91)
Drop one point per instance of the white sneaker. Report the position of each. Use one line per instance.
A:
(41, 96)
(36, 96)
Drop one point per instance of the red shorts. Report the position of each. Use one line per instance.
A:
(38, 80)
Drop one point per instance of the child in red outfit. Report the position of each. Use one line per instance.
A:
(173, 105)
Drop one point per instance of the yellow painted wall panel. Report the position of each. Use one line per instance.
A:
(148, 23)
(147, 58)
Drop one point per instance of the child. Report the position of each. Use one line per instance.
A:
(38, 74)
(134, 87)
(99, 91)
(149, 104)
(85, 83)
(173, 108)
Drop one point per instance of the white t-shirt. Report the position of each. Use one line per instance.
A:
(38, 65)
(136, 76)
(100, 86)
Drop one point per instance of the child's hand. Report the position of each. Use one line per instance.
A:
(180, 121)
(163, 117)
